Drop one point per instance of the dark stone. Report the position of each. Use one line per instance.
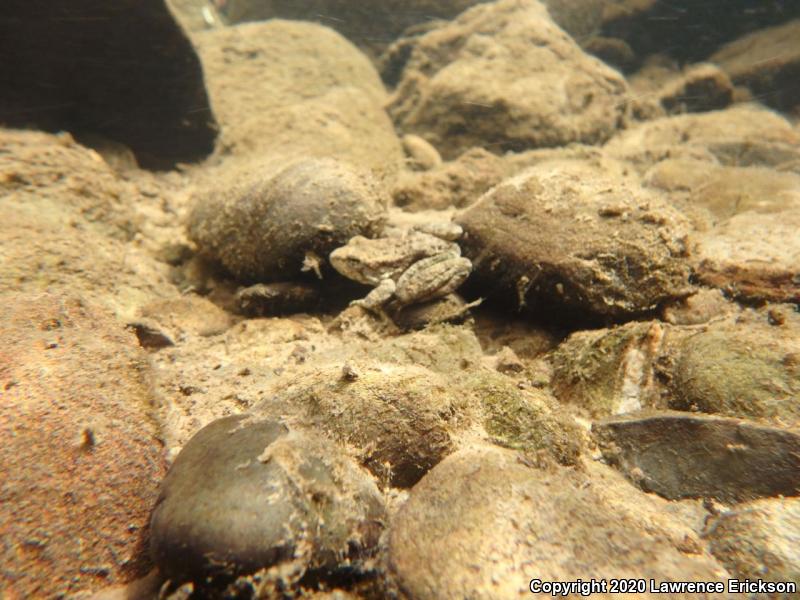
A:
(680, 455)
(124, 70)
(247, 494)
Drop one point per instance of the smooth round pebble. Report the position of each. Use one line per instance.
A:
(248, 494)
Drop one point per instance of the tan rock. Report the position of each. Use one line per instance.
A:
(483, 524)
(290, 90)
(81, 450)
(504, 76)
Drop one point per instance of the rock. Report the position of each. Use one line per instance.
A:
(188, 315)
(759, 539)
(743, 135)
(271, 228)
(400, 418)
(767, 62)
(687, 30)
(753, 257)
(483, 524)
(421, 155)
(725, 191)
(700, 88)
(196, 15)
(369, 25)
(282, 298)
(288, 91)
(81, 453)
(679, 455)
(610, 371)
(69, 223)
(450, 309)
(740, 368)
(701, 307)
(453, 184)
(57, 85)
(526, 85)
(545, 237)
(247, 494)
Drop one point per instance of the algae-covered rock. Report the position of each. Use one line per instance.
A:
(743, 368)
(401, 418)
(681, 455)
(566, 233)
(610, 371)
(759, 539)
(269, 229)
(246, 494)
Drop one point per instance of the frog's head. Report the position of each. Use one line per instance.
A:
(348, 260)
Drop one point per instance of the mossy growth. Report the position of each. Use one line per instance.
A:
(524, 420)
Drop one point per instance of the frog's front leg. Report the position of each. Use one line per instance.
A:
(379, 296)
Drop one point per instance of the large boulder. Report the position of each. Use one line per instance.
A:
(572, 233)
(124, 70)
(504, 76)
(290, 90)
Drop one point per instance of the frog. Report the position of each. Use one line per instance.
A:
(410, 268)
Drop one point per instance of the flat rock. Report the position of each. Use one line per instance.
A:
(60, 86)
(759, 539)
(483, 524)
(293, 90)
(568, 233)
(752, 256)
(247, 494)
(767, 62)
(273, 228)
(81, 453)
(504, 76)
(682, 455)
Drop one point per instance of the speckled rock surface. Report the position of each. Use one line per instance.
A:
(759, 539)
(542, 237)
(484, 523)
(81, 453)
(460, 88)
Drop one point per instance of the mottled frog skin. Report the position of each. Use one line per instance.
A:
(407, 269)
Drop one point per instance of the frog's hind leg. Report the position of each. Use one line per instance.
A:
(377, 297)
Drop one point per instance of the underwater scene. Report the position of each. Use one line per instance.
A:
(399, 299)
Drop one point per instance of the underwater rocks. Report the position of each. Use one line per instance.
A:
(274, 228)
(753, 257)
(759, 539)
(484, 521)
(567, 233)
(293, 90)
(247, 495)
(766, 62)
(743, 135)
(129, 53)
(369, 25)
(81, 453)
(683, 455)
(503, 76)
